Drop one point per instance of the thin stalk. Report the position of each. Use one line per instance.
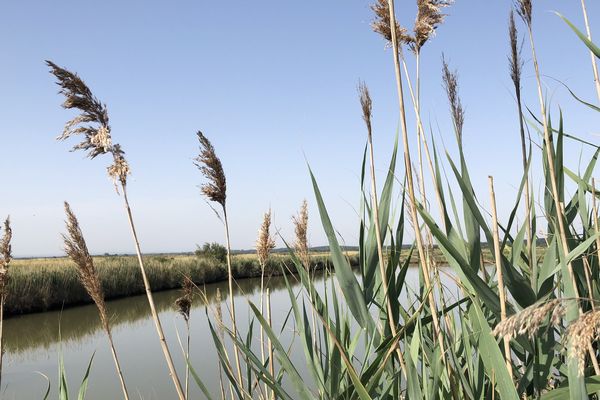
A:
(596, 228)
(262, 331)
(155, 318)
(589, 35)
(231, 301)
(501, 289)
(116, 360)
(269, 344)
(187, 359)
(410, 183)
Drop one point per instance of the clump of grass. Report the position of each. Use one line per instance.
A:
(76, 249)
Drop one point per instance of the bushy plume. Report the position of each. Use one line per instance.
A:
(382, 25)
(119, 169)
(210, 165)
(531, 319)
(429, 16)
(580, 334)
(76, 249)
(265, 242)
(301, 229)
(515, 61)
(524, 9)
(366, 104)
(92, 123)
(450, 83)
(5, 255)
(184, 302)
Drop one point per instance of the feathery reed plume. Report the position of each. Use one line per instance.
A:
(5, 259)
(515, 67)
(264, 245)
(524, 9)
(210, 165)
(98, 141)
(429, 16)
(215, 189)
(301, 230)
(184, 305)
(76, 249)
(93, 120)
(382, 25)
(529, 320)
(366, 104)
(579, 334)
(450, 83)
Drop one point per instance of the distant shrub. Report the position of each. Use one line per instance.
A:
(213, 250)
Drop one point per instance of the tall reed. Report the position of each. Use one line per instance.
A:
(76, 249)
(5, 258)
(93, 124)
(215, 189)
(184, 306)
(592, 55)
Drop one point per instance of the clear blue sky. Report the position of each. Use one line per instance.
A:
(273, 85)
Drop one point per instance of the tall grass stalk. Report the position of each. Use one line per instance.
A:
(184, 306)
(499, 274)
(594, 62)
(5, 258)
(97, 141)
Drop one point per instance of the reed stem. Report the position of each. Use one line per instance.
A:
(594, 63)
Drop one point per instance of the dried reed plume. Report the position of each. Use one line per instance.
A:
(429, 16)
(580, 334)
(184, 302)
(5, 256)
(524, 9)
(450, 83)
(366, 104)
(515, 61)
(119, 169)
(210, 165)
(529, 320)
(301, 229)
(265, 242)
(93, 120)
(381, 24)
(76, 249)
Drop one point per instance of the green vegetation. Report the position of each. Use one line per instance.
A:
(212, 250)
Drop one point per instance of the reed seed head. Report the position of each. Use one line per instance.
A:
(515, 61)
(524, 9)
(429, 17)
(5, 256)
(366, 104)
(184, 303)
(265, 242)
(210, 166)
(529, 320)
(301, 229)
(119, 169)
(580, 334)
(76, 248)
(92, 122)
(450, 83)
(382, 24)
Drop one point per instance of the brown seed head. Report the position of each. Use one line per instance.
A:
(529, 320)
(5, 256)
(524, 9)
(366, 104)
(580, 334)
(301, 229)
(93, 120)
(382, 25)
(210, 165)
(76, 249)
(450, 83)
(184, 303)
(429, 16)
(119, 169)
(265, 242)
(515, 61)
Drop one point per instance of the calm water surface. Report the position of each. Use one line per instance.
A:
(33, 343)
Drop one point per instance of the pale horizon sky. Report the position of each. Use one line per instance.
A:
(273, 86)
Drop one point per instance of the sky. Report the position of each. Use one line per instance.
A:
(273, 85)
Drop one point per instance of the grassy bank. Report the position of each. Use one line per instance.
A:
(43, 284)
